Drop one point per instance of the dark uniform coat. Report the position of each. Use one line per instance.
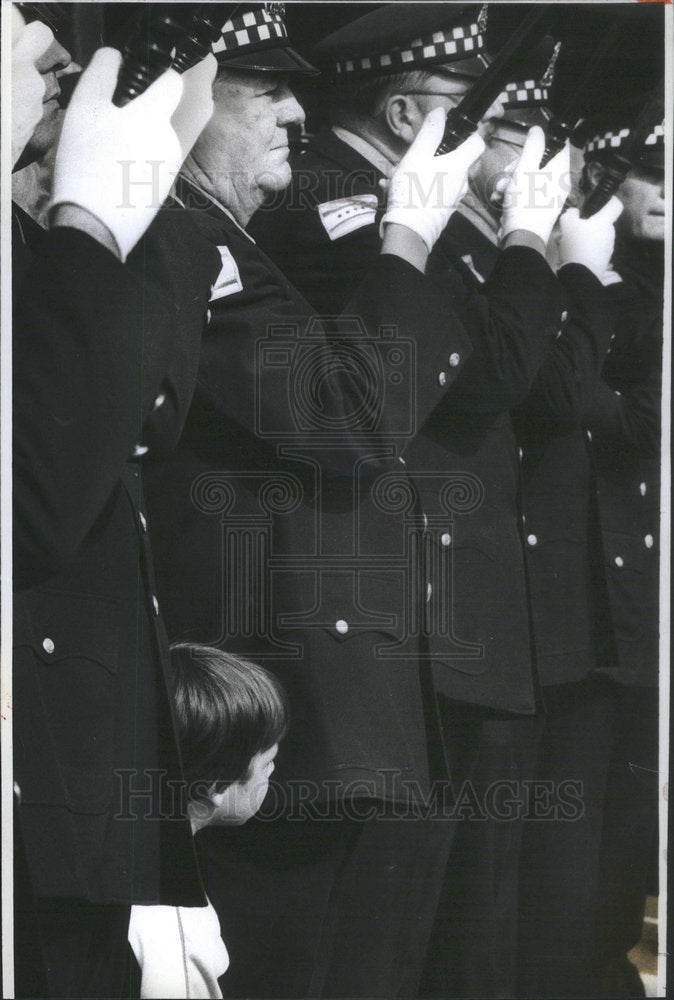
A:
(482, 654)
(558, 505)
(94, 342)
(288, 524)
(623, 418)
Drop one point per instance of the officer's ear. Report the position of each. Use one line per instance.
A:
(403, 117)
(592, 172)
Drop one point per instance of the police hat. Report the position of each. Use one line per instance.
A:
(254, 37)
(526, 100)
(401, 37)
(609, 132)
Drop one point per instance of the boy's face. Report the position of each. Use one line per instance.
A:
(242, 799)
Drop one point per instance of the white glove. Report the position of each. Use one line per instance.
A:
(196, 104)
(29, 42)
(424, 188)
(588, 241)
(534, 197)
(119, 163)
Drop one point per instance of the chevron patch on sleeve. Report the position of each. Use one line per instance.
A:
(345, 215)
(228, 281)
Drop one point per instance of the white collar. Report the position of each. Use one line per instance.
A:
(223, 208)
(366, 149)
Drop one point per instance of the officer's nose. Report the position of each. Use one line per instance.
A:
(489, 120)
(290, 111)
(55, 57)
(495, 111)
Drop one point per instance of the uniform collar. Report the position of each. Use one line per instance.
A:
(366, 150)
(189, 195)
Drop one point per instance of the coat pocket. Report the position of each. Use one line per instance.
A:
(66, 679)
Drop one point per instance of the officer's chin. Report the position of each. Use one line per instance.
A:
(276, 179)
(44, 138)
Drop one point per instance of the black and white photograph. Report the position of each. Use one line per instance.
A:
(335, 435)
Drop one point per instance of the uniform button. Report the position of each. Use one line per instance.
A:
(564, 316)
(642, 489)
(155, 604)
(446, 539)
(209, 315)
(442, 378)
(617, 392)
(159, 401)
(48, 645)
(532, 540)
(425, 522)
(648, 541)
(140, 449)
(401, 460)
(429, 592)
(341, 626)
(17, 792)
(454, 359)
(589, 435)
(619, 562)
(520, 453)
(143, 522)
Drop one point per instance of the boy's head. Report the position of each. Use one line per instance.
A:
(231, 716)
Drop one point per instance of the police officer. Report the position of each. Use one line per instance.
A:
(290, 531)
(624, 421)
(379, 96)
(559, 527)
(565, 884)
(93, 346)
(603, 729)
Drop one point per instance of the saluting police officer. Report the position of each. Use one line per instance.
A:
(559, 526)
(94, 348)
(585, 882)
(290, 530)
(388, 68)
(624, 420)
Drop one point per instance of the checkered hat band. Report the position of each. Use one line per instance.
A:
(524, 94)
(614, 140)
(250, 28)
(455, 43)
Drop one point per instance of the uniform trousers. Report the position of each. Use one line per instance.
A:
(85, 949)
(629, 839)
(473, 945)
(327, 907)
(562, 880)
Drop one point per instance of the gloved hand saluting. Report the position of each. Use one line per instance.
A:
(588, 241)
(534, 197)
(425, 189)
(29, 42)
(119, 163)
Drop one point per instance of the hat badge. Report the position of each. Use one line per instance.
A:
(482, 19)
(274, 8)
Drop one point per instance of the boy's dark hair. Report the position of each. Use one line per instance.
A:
(228, 710)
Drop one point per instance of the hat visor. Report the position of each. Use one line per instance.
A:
(279, 59)
(526, 117)
(473, 67)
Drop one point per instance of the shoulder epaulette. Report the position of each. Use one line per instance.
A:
(345, 215)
